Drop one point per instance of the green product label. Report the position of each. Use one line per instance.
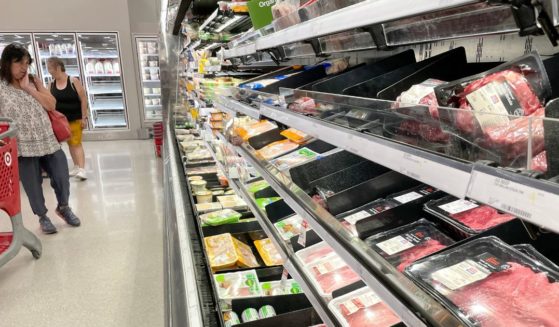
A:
(307, 153)
(260, 12)
(220, 278)
(295, 288)
(252, 283)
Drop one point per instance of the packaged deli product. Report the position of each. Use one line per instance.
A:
(531, 251)
(292, 226)
(238, 285)
(220, 217)
(331, 273)
(314, 253)
(486, 282)
(468, 216)
(406, 244)
(268, 252)
(295, 158)
(296, 136)
(249, 314)
(277, 149)
(276, 287)
(257, 186)
(263, 202)
(266, 311)
(362, 307)
(225, 251)
(255, 129)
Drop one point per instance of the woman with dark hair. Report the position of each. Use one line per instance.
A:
(72, 102)
(26, 101)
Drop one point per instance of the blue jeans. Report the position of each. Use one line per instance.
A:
(30, 174)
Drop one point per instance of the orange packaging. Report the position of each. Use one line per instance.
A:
(296, 135)
(268, 252)
(277, 149)
(225, 251)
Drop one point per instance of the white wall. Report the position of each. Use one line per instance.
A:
(122, 16)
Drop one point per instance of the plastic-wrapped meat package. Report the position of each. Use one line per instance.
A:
(238, 284)
(291, 227)
(331, 273)
(426, 127)
(488, 283)
(539, 162)
(362, 307)
(314, 253)
(406, 244)
(468, 216)
(284, 8)
(304, 105)
(277, 149)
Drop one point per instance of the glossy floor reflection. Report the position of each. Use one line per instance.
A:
(109, 271)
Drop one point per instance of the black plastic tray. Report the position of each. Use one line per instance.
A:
(292, 310)
(278, 210)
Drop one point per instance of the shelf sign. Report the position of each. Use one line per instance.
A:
(533, 204)
(260, 12)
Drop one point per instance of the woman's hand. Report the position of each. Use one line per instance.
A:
(84, 123)
(26, 84)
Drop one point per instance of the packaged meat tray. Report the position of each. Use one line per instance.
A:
(273, 288)
(294, 158)
(486, 282)
(531, 251)
(404, 245)
(268, 252)
(236, 285)
(369, 210)
(225, 251)
(314, 253)
(220, 217)
(468, 217)
(412, 194)
(277, 149)
(362, 307)
(257, 186)
(291, 227)
(331, 273)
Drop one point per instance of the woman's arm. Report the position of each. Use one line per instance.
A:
(39, 92)
(83, 99)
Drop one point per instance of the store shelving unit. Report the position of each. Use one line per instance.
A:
(103, 80)
(148, 59)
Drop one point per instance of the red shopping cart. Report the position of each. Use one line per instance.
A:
(10, 201)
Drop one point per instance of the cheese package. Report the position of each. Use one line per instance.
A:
(268, 252)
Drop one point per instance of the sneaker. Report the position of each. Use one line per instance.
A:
(81, 175)
(46, 225)
(69, 217)
(74, 171)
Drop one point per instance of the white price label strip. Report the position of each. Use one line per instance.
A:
(526, 202)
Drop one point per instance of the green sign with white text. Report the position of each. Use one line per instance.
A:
(260, 12)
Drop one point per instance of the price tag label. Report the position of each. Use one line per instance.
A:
(531, 203)
(284, 276)
(302, 240)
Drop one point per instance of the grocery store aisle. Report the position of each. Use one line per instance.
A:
(109, 271)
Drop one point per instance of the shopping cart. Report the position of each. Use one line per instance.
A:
(10, 202)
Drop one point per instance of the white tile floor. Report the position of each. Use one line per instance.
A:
(109, 271)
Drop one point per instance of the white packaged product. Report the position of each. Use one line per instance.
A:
(108, 66)
(116, 67)
(99, 69)
(90, 67)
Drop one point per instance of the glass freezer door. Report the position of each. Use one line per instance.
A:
(62, 46)
(23, 39)
(148, 59)
(103, 80)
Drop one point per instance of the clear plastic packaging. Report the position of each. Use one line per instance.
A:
(276, 287)
(268, 252)
(404, 245)
(314, 253)
(296, 135)
(236, 285)
(295, 158)
(369, 210)
(486, 282)
(331, 273)
(221, 217)
(256, 129)
(277, 149)
(263, 202)
(467, 216)
(257, 186)
(225, 251)
(412, 194)
(291, 227)
(362, 307)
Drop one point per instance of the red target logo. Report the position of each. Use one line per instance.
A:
(8, 159)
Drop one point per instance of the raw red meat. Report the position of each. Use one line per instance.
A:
(515, 297)
(512, 139)
(523, 92)
(336, 279)
(304, 105)
(417, 252)
(482, 217)
(320, 253)
(539, 162)
(378, 315)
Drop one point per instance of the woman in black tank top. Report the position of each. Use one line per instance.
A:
(72, 102)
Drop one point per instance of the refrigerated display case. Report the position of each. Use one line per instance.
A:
(62, 46)
(22, 38)
(148, 59)
(103, 80)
